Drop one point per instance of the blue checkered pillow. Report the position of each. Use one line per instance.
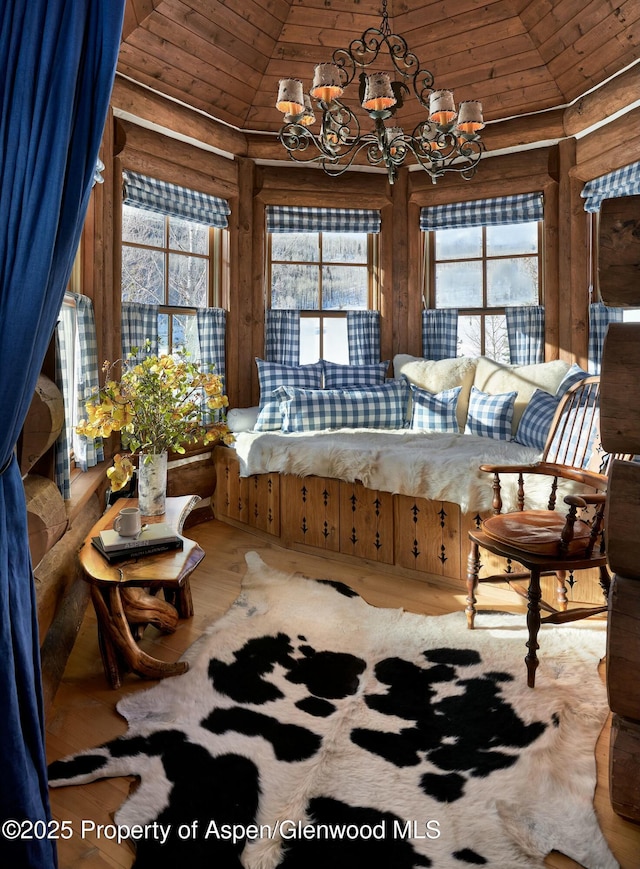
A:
(574, 375)
(490, 415)
(346, 376)
(365, 407)
(434, 412)
(535, 422)
(271, 375)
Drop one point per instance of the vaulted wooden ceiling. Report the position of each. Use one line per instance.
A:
(225, 57)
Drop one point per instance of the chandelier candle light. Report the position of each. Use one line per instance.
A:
(447, 141)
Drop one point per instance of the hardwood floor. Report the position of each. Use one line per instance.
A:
(83, 713)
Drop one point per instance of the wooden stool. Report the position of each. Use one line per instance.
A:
(125, 594)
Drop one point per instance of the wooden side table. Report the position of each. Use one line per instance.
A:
(125, 597)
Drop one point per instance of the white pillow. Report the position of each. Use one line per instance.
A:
(437, 376)
(496, 377)
(242, 418)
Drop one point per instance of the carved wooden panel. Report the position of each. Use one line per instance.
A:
(366, 523)
(264, 503)
(427, 535)
(232, 491)
(310, 511)
(490, 563)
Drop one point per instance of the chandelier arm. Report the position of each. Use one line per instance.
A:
(461, 159)
(339, 133)
(364, 51)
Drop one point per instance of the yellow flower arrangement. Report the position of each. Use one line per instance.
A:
(156, 406)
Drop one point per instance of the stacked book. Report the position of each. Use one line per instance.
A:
(152, 539)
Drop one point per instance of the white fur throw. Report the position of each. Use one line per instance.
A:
(440, 467)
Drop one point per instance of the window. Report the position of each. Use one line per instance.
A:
(322, 262)
(175, 264)
(481, 270)
(67, 357)
(321, 274)
(482, 258)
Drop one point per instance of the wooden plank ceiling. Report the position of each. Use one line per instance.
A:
(225, 57)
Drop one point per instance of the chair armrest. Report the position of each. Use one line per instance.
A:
(550, 469)
(585, 500)
(510, 469)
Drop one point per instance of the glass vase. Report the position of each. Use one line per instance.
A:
(152, 483)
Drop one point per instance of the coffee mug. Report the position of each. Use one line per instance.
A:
(128, 522)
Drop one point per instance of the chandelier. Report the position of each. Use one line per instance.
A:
(445, 142)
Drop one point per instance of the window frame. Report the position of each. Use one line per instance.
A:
(322, 314)
(429, 276)
(217, 258)
(70, 406)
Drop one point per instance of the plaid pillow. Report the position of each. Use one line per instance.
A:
(271, 375)
(490, 415)
(536, 420)
(367, 407)
(574, 375)
(434, 412)
(346, 376)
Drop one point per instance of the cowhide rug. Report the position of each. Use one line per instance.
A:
(314, 731)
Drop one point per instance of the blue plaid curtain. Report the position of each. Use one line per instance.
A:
(282, 338)
(363, 337)
(164, 198)
(294, 218)
(139, 322)
(87, 452)
(503, 210)
(212, 324)
(440, 333)
(525, 331)
(62, 445)
(600, 315)
(622, 182)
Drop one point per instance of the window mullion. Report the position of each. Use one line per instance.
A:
(485, 300)
(166, 266)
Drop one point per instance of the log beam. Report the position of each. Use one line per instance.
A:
(598, 105)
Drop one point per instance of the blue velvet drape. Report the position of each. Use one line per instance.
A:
(58, 61)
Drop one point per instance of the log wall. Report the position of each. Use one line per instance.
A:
(619, 432)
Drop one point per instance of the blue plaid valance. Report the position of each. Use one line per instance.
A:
(295, 218)
(164, 198)
(520, 208)
(622, 182)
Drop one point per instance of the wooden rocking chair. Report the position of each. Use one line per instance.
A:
(551, 541)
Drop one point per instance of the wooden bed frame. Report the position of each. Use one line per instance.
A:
(399, 533)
